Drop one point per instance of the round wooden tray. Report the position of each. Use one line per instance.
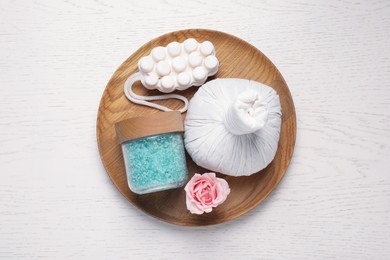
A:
(238, 59)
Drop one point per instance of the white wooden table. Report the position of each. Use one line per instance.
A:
(57, 202)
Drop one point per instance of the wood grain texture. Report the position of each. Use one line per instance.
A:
(136, 127)
(56, 200)
(238, 59)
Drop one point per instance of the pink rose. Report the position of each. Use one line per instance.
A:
(205, 192)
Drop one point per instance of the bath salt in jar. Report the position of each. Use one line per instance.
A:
(153, 151)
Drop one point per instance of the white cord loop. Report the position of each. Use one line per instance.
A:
(143, 100)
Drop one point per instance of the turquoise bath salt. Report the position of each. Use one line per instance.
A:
(153, 152)
(155, 162)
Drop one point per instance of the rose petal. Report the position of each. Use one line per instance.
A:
(193, 208)
(208, 209)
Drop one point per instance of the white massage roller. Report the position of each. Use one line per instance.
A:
(177, 66)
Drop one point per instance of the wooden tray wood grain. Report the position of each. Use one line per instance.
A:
(238, 59)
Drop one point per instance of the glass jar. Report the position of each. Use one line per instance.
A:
(153, 152)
